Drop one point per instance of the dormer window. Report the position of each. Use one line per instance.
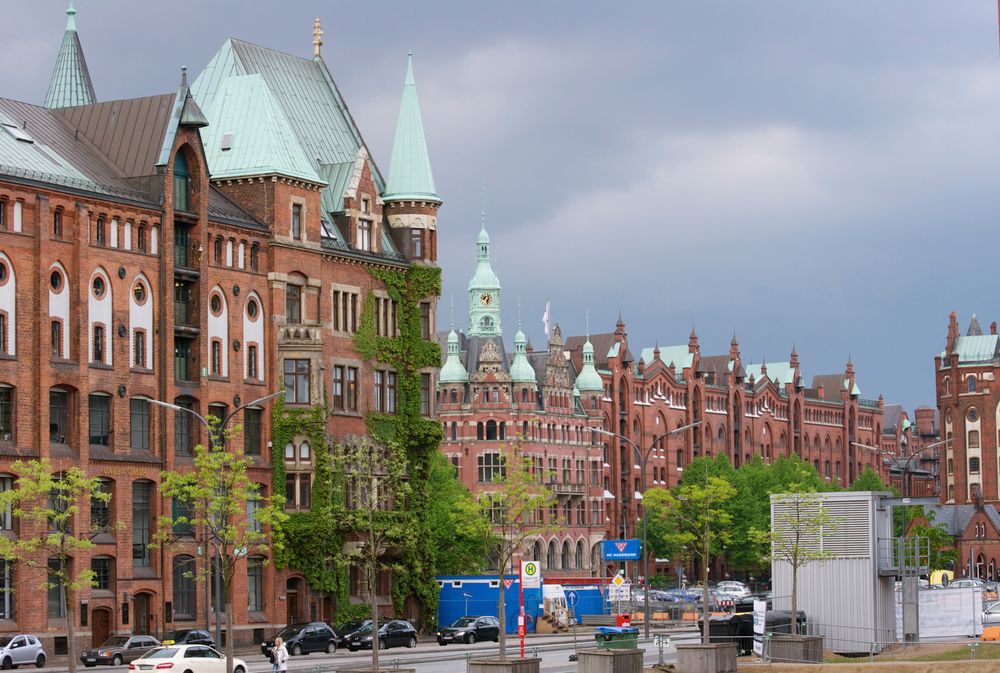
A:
(364, 239)
(366, 205)
(182, 183)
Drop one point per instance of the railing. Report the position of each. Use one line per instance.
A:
(903, 555)
(88, 185)
(871, 404)
(568, 489)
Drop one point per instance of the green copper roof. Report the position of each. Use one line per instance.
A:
(681, 356)
(521, 370)
(410, 176)
(588, 380)
(453, 370)
(249, 134)
(484, 277)
(70, 84)
(976, 348)
(779, 372)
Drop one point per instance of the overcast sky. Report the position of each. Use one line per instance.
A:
(821, 172)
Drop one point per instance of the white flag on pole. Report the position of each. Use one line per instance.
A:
(545, 316)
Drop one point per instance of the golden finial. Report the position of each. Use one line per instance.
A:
(317, 36)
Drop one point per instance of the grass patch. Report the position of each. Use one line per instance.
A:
(929, 652)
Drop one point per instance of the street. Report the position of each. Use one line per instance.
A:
(432, 658)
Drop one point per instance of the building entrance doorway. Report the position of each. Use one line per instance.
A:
(100, 626)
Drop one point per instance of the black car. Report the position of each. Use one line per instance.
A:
(345, 630)
(469, 630)
(188, 637)
(394, 633)
(304, 638)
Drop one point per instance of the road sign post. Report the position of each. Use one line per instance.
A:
(571, 599)
(530, 577)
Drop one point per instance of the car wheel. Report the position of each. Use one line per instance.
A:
(117, 661)
(40, 661)
(471, 639)
(381, 644)
(297, 650)
(239, 669)
(331, 647)
(442, 644)
(6, 664)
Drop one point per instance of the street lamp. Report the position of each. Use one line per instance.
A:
(214, 440)
(643, 457)
(467, 597)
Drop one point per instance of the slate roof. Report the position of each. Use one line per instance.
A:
(832, 385)
(891, 414)
(718, 366)
(603, 345)
(679, 355)
(954, 517)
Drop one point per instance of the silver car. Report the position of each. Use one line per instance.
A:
(20, 650)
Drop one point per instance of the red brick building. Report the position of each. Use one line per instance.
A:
(742, 410)
(205, 248)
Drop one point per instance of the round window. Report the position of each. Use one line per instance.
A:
(252, 309)
(972, 415)
(216, 304)
(98, 286)
(55, 280)
(139, 292)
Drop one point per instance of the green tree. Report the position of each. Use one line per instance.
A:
(943, 551)
(459, 545)
(799, 523)
(691, 522)
(46, 505)
(869, 480)
(215, 497)
(511, 508)
(377, 487)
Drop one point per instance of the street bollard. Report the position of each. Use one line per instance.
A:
(972, 651)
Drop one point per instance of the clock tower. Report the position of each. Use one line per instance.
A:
(484, 292)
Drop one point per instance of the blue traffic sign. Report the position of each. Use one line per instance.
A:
(571, 598)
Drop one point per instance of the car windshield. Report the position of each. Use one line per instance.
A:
(175, 635)
(162, 653)
(351, 625)
(115, 641)
(289, 632)
(463, 621)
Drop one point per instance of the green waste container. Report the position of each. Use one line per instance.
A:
(616, 637)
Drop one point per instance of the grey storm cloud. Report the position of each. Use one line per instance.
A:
(820, 173)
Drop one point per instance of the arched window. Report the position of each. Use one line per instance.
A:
(184, 588)
(970, 383)
(491, 429)
(552, 558)
(182, 180)
(567, 556)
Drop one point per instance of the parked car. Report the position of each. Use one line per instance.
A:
(991, 613)
(188, 637)
(118, 650)
(304, 638)
(735, 589)
(347, 628)
(189, 658)
(469, 630)
(22, 649)
(394, 633)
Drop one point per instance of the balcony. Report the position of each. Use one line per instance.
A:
(903, 556)
(568, 489)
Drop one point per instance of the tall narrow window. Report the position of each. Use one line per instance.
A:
(216, 358)
(217, 250)
(3, 214)
(297, 222)
(416, 243)
(100, 508)
(57, 224)
(6, 519)
(293, 303)
(139, 423)
(252, 361)
(140, 237)
(6, 413)
(425, 320)
(254, 257)
(252, 431)
(101, 231)
(56, 335)
(255, 584)
(139, 339)
(183, 439)
(351, 390)
(58, 416)
(379, 377)
(181, 183)
(425, 394)
(338, 387)
(56, 595)
(98, 343)
(364, 239)
(141, 522)
(6, 590)
(101, 567)
(184, 588)
(100, 420)
(4, 348)
(390, 400)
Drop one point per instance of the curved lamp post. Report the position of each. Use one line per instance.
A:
(215, 440)
(643, 456)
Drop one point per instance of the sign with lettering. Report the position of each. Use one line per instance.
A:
(622, 550)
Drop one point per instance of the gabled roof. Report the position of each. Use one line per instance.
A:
(780, 372)
(954, 517)
(832, 385)
(720, 366)
(70, 83)
(410, 175)
(974, 328)
(249, 134)
(891, 414)
(679, 355)
(305, 92)
(603, 344)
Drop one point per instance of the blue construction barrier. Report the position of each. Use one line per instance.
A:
(483, 592)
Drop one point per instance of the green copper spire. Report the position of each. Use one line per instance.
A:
(70, 84)
(484, 290)
(521, 370)
(410, 177)
(588, 380)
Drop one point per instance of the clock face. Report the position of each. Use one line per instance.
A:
(486, 298)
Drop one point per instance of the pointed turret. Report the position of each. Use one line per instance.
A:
(974, 328)
(793, 360)
(521, 370)
(734, 348)
(70, 84)
(410, 197)
(453, 371)
(588, 380)
(484, 290)
(693, 341)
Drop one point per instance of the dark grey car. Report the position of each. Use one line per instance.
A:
(118, 650)
(469, 630)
